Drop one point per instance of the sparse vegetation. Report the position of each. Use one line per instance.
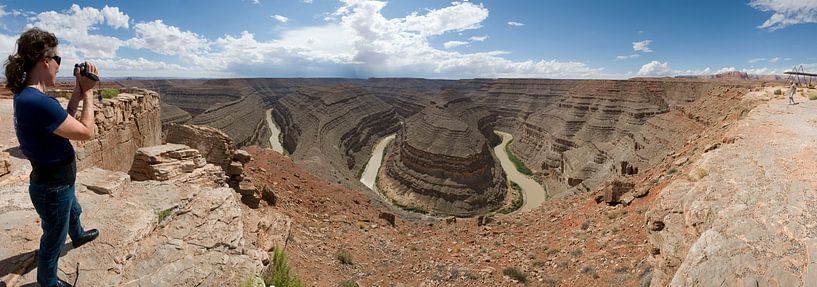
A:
(109, 93)
(164, 214)
(251, 281)
(514, 273)
(518, 200)
(281, 275)
(812, 96)
(778, 92)
(344, 257)
(589, 271)
(415, 209)
(672, 171)
(347, 283)
(585, 225)
(576, 252)
(701, 173)
(520, 166)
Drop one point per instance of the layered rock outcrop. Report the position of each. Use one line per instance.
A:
(443, 165)
(341, 123)
(124, 124)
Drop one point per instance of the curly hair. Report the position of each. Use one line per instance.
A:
(33, 45)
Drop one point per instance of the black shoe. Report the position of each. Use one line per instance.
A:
(61, 283)
(89, 236)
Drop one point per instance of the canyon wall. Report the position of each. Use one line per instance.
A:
(124, 124)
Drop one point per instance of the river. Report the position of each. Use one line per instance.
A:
(532, 191)
(370, 171)
(274, 141)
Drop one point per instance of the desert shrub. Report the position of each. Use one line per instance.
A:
(164, 214)
(344, 257)
(701, 173)
(672, 171)
(778, 92)
(576, 252)
(585, 225)
(347, 283)
(812, 96)
(109, 93)
(589, 271)
(282, 275)
(515, 274)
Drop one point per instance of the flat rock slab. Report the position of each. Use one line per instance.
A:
(103, 181)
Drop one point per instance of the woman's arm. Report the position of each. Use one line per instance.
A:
(83, 129)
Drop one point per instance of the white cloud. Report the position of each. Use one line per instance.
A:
(628, 57)
(158, 37)
(516, 24)
(459, 17)
(642, 46)
(74, 26)
(655, 68)
(357, 41)
(755, 60)
(114, 17)
(774, 60)
(3, 11)
(256, 2)
(452, 44)
(478, 38)
(786, 12)
(7, 44)
(308, 1)
(280, 18)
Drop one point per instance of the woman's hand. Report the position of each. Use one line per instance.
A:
(86, 84)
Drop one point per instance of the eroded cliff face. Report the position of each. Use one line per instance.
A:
(443, 165)
(123, 124)
(332, 129)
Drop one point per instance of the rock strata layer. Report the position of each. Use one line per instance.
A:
(443, 165)
(124, 124)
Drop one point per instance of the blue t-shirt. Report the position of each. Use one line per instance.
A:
(36, 116)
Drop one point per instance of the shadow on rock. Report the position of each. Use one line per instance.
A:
(16, 152)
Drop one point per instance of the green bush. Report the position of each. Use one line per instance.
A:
(812, 96)
(109, 93)
(347, 283)
(344, 257)
(515, 274)
(778, 92)
(282, 276)
(164, 214)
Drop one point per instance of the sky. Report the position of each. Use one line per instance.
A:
(422, 38)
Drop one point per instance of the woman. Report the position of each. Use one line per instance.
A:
(43, 130)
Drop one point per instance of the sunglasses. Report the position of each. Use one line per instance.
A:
(57, 59)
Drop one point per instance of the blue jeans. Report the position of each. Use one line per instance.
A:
(59, 212)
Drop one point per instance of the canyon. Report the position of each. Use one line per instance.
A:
(619, 162)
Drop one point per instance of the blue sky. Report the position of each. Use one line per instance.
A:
(424, 38)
